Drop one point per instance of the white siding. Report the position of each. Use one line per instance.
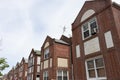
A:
(91, 46)
(78, 51)
(108, 39)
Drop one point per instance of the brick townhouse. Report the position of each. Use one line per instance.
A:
(16, 71)
(23, 66)
(96, 41)
(34, 65)
(10, 75)
(55, 59)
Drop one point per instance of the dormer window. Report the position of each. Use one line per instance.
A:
(46, 53)
(90, 28)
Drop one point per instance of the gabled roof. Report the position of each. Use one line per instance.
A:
(26, 60)
(96, 5)
(61, 41)
(37, 52)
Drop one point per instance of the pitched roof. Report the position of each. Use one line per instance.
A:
(37, 52)
(61, 41)
(26, 60)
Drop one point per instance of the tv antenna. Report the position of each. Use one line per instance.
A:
(64, 29)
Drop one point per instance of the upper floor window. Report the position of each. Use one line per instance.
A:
(46, 53)
(90, 28)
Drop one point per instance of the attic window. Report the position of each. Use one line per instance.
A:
(89, 28)
(46, 53)
(87, 14)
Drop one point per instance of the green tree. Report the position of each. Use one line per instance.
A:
(3, 64)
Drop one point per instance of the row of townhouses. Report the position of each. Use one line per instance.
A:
(92, 53)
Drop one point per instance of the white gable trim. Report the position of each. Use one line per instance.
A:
(46, 45)
(87, 14)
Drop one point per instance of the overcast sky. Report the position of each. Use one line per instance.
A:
(24, 24)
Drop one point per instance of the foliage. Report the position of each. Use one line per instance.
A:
(3, 64)
(1, 74)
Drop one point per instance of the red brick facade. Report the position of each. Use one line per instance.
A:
(33, 73)
(93, 52)
(107, 15)
(56, 50)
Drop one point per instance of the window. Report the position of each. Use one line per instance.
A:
(45, 75)
(90, 28)
(62, 75)
(95, 68)
(46, 53)
(77, 51)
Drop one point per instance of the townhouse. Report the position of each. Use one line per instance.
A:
(34, 65)
(91, 54)
(23, 66)
(96, 41)
(16, 71)
(55, 59)
(10, 75)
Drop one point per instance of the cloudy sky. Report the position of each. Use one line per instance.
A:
(24, 24)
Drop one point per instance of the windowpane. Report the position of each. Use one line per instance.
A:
(93, 27)
(86, 34)
(65, 78)
(59, 77)
(59, 73)
(64, 73)
(99, 62)
(95, 68)
(45, 75)
(85, 27)
(101, 72)
(46, 53)
(89, 28)
(90, 64)
(91, 73)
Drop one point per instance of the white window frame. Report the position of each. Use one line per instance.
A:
(48, 52)
(62, 74)
(88, 23)
(45, 74)
(87, 73)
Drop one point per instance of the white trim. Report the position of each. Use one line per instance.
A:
(97, 78)
(88, 23)
(62, 74)
(87, 14)
(77, 48)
